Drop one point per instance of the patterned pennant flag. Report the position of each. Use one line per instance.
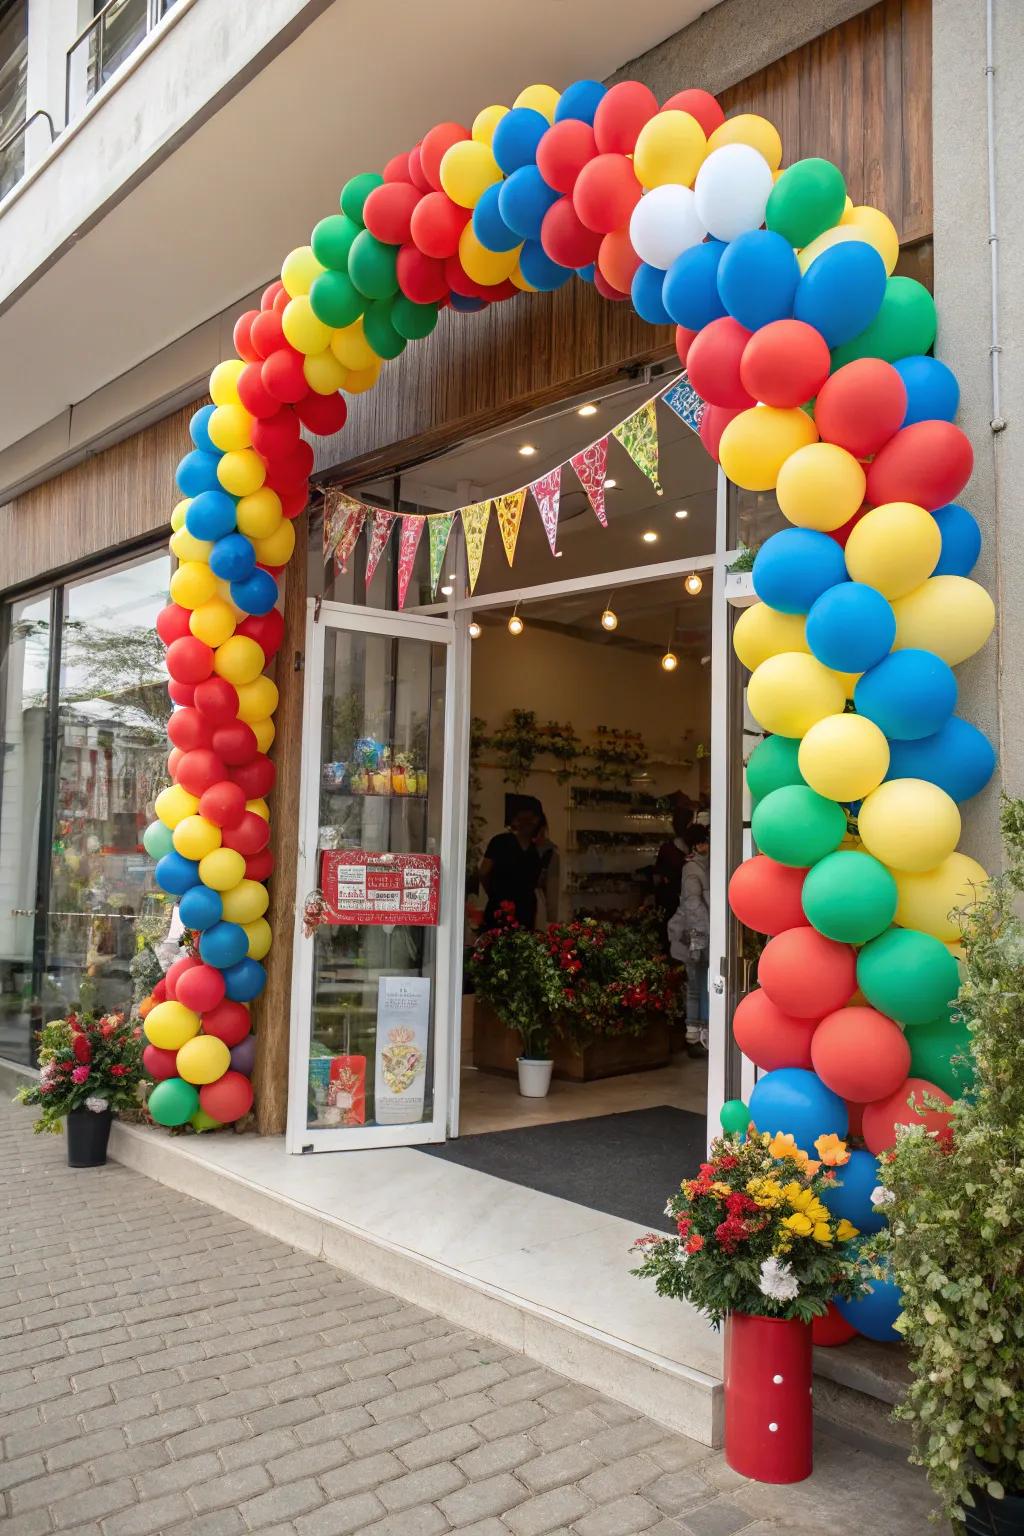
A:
(380, 532)
(510, 514)
(474, 527)
(639, 436)
(439, 527)
(546, 493)
(682, 398)
(343, 523)
(591, 466)
(408, 543)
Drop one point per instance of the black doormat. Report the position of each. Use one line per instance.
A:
(626, 1165)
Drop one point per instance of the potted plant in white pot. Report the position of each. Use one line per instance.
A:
(89, 1068)
(514, 973)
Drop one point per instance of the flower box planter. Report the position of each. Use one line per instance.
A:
(88, 1133)
(496, 1049)
(994, 1517)
(739, 588)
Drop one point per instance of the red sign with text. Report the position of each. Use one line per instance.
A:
(399, 888)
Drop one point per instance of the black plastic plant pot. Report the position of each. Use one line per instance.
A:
(995, 1517)
(88, 1134)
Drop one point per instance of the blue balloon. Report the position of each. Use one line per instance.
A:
(646, 295)
(196, 472)
(580, 101)
(961, 540)
(796, 1101)
(211, 515)
(516, 138)
(690, 291)
(758, 277)
(933, 393)
(850, 1195)
(842, 290)
(464, 305)
(909, 695)
(873, 1314)
(524, 199)
(245, 980)
(959, 758)
(200, 907)
(539, 270)
(233, 557)
(489, 226)
(198, 429)
(795, 566)
(256, 594)
(851, 627)
(587, 272)
(224, 945)
(176, 874)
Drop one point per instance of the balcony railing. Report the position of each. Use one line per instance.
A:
(12, 150)
(102, 47)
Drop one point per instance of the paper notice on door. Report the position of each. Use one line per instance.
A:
(403, 1033)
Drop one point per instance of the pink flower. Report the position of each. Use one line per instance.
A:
(80, 1075)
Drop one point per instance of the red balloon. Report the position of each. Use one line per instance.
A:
(174, 974)
(565, 239)
(928, 463)
(297, 464)
(181, 693)
(784, 363)
(769, 1037)
(259, 866)
(882, 1118)
(388, 209)
(189, 660)
(861, 406)
(229, 1098)
(617, 261)
(421, 278)
(267, 333)
(174, 757)
(684, 341)
(434, 145)
(842, 533)
(199, 769)
(713, 423)
(257, 778)
(606, 192)
(235, 743)
(397, 168)
(620, 115)
(832, 1329)
(242, 338)
(282, 298)
(188, 729)
(564, 151)
(172, 623)
(228, 1021)
(277, 434)
(860, 1054)
(713, 364)
(270, 294)
(223, 803)
(251, 835)
(253, 393)
(606, 290)
(159, 992)
(283, 377)
(201, 989)
(293, 500)
(217, 699)
(701, 105)
(436, 225)
(415, 168)
(806, 974)
(322, 414)
(160, 1064)
(267, 629)
(766, 896)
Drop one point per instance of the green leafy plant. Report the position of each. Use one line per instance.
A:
(514, 972)
(744, 560)
(85, 1062)
(616, 755)
(614, 979)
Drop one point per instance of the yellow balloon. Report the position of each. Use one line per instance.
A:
(224, 382)
(324, 374)
(359, 380)
(950, 615)
(195, 837)
(302, 329)
(264, 731)
(178, 515)
(848, 681)
(761, 632)
(820, 486)
(256, 700)
(789, 693)
(169, 1025)
(259, 514)
(230, 426)
(260, 938)
(299, 271)
(222, 869)
(757, 443)
(839, 234)
(214, 622)
(248, 901)
(202, 1059)
(192, 584)
(277, 548)
(467, 170)
(173, 804)
(876, 228)
(241, 472)
(844, 757)
(352, 349)
(482, 265)
(542, 98)
(239, 660)
(670, 148)
(750, 129)
(925, 900)
(909, 824)
(258, 808)
(184, 547)
(894, 548)
(485, 123)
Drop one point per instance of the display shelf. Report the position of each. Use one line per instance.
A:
(350, 794)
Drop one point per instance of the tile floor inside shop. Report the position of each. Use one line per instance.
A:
(166, 1370)
(489, 1102)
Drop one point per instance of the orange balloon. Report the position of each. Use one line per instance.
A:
(617, 261)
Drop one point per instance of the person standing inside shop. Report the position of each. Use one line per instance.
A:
(672, 856)
(550, 879)
(689, 933)
(511, 865)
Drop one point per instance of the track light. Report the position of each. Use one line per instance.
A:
(590, 409)
(650, 537)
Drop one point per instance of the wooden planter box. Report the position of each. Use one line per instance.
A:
(496, 1048)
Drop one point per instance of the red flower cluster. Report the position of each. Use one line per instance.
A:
(695, 1243)
(731, 1232)
(81, 1047)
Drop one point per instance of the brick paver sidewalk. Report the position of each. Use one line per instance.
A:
(165, 1368)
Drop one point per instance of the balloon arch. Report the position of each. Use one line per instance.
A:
(813, 361)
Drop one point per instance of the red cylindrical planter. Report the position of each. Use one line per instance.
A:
(768, 1403)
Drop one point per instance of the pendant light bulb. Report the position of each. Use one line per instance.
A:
(515, 625)
(694, 583)
(669, 661)
(609, 618)
(474, 630)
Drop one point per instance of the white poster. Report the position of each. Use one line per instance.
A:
(403, 1032)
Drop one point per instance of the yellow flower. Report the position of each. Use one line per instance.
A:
(806, 1202)
(799, 1224)
(846, 1230)
(822, 1232)
(832, 1150)
(767, 1192)
(720, 1189)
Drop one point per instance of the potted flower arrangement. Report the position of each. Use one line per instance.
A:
(619, 996)
(513, 971)
(89, 1068)
(757, 1247)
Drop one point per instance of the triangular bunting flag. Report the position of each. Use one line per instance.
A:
(546, 493)
(591, 466)
(474, 527)
(682, 398)
(408, 543)
(439, 527)
(380, 532)
(510, 514)
(343, 523)
(639, 436)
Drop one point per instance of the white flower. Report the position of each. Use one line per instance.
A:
(96, 1104)
(668, 1209)
(882, 1196)
(778, 1281)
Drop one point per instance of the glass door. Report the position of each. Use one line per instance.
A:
(377, 898)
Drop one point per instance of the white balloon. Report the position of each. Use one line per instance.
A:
(664, 224)
(731, 191)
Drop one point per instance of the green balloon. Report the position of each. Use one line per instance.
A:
(807, 199)
(379, 331)
(933, 1048)
(332, 240)
(908, 975)
(355, 192)
(772, 765)
(157, 840)
(903, 327)
(335, 299)
(734, 1116)
(372, 266)
(173, 1101)
(795, 826)
(413, 321)
(849, 897)
(201, 1121)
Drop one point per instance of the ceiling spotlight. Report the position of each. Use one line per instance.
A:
(527, 450)
(694, 583)
(515, 623)
(587, 410)
(669, 661)
(609, 620)
(682, 512)
(447, 591)
(650, 537)
(474, 630)
(610, 484)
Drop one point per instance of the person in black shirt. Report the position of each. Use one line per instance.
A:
(511, 865)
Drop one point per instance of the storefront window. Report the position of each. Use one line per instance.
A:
(13, 89)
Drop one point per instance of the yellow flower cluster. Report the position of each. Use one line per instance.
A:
(810, 1218)
(767, 1193)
